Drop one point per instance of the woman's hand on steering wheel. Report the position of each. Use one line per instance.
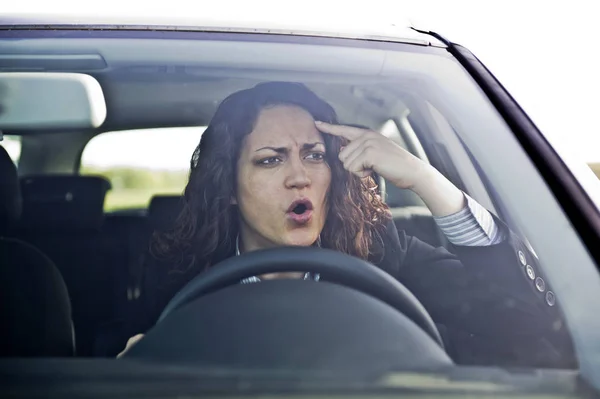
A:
(369, 151)
(130, 343)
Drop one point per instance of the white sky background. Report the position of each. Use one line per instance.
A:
(544, 52)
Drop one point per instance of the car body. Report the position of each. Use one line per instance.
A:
(162, 73)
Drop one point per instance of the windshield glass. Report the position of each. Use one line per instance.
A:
(234, 143)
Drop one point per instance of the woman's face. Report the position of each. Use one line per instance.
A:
(282, 180)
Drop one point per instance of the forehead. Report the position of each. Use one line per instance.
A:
(283, 126)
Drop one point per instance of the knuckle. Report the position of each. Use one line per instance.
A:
(370, 151)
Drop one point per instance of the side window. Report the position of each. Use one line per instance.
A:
(12, 145)
(141, 163)
(396, 197)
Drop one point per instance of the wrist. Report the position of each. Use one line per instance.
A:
(426, 177)
(440, 195)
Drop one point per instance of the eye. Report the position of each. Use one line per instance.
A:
(270, 161)
(316, 156)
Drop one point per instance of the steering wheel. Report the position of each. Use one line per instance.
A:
(343, 269)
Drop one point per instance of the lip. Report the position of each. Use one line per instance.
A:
(306, 216)
(301, 201)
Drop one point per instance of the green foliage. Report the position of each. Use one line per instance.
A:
(596, 168)
(139, 178)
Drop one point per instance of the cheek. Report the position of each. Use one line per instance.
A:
(322, 182)
(256, 191)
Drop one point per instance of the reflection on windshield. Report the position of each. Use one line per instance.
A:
(388, 165)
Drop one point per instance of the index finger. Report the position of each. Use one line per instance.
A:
(348, 132)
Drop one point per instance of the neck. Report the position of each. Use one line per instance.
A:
(248, 242)
(248, 245)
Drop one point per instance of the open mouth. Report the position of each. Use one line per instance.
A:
(300, 211)
(300, 206)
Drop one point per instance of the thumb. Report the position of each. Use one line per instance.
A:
(130, 343)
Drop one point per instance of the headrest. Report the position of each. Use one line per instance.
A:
(63, 202)
(10, 193)
(163, 211)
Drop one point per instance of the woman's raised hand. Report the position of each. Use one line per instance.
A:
(369, 151)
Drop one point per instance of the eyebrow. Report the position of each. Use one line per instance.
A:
(307, 146)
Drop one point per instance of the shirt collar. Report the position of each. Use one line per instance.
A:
(254, 279)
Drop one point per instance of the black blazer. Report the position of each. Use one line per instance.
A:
(487, 308)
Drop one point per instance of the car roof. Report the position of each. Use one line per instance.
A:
(199, 109)
(400, 30)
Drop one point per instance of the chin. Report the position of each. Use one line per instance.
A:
(302, 239)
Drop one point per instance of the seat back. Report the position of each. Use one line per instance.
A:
(35, 313)
(137, 232)
(63, 216)
(35, 310)
(162, 213)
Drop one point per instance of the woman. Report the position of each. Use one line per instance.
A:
(274, 168)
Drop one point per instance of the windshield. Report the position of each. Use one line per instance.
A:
(219, 145)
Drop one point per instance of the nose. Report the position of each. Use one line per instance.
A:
(297, 175)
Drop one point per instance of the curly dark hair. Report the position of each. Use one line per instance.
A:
(207, 227)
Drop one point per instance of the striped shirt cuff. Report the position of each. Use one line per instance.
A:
(473, 226)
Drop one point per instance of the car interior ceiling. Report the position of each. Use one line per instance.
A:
(99, 255)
